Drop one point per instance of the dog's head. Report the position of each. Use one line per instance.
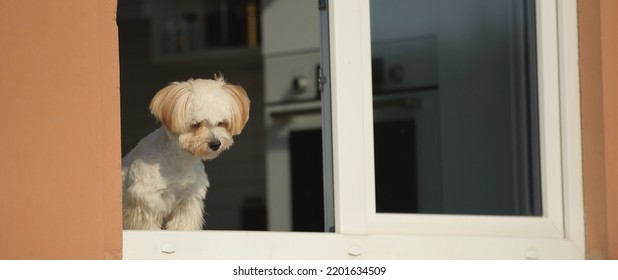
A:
(204, 114)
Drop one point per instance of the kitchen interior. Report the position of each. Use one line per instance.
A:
(454, 103)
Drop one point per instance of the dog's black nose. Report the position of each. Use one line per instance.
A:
(214, 144)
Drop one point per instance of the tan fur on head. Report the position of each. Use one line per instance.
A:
(241, 111)
(170, 105)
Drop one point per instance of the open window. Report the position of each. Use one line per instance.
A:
(382, 129)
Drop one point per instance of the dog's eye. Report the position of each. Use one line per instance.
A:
(196, 125)
(222, 124)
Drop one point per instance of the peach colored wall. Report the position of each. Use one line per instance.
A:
(60, 143)
(598, 31)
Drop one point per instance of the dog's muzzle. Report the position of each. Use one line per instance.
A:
(214, 145)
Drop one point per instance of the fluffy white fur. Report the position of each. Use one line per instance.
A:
(163, 179)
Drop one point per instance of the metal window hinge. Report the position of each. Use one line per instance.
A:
(321, 80)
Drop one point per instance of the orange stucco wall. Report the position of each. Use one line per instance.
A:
(60, 140)
(598, 44)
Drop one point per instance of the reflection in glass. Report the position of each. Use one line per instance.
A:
(455, 107)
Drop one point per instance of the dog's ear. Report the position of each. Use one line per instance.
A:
(240, 110)
(170, 104)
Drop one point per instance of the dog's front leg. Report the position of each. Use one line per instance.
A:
(142, 209)
(188, 215)
(138, 217)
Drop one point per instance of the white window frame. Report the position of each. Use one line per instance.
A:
(361, 233)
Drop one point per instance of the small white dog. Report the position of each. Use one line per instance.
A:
(163, 179)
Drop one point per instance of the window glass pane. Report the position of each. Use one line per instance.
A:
(455, 113)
